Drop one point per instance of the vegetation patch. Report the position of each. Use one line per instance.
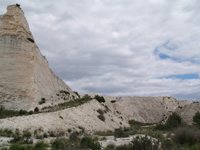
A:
(196, 119)
(100, 99)
(186, 136)
(89, 143)
(42, 101)
(7, 113)
(65, 92)
(4, 113)
(119, 133)
(76, 102)
(77, 94)
(173, 121)
(137, 123)
(113, 101)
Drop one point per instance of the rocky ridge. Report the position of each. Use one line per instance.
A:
(117, 113)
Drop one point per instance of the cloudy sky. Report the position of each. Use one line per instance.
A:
(120, 47)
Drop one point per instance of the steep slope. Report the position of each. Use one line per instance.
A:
(25, 76)
(84, 116)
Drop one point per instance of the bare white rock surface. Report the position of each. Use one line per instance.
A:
(25, 76)
(117, 113)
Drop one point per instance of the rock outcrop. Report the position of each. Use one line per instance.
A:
(25, 76)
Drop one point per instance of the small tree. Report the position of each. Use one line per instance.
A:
(196, 119)
(144, 143)
(174, 120)
(87, 142)
(100, 99)
(36, 110)
(186, 136)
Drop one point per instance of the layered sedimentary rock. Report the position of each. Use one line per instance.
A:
(25, 76)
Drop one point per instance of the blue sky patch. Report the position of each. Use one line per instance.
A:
(183, 76)
(163, 56)
(167, 45)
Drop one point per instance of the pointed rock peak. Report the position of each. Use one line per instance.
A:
(14, 9)
(26, 81)
(14, 22)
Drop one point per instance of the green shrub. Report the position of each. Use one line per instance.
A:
(77, 94)
(74, 137)
(119, 133)
(40, 146)
(86, 97)
(43, 100)
(123, 147)
(7, 113)
(167, 144)
(69, 130)
(6, 132)
(174, 120)
(30, 112)
(63, 144)
(17, 138)
(100, 99)
(186, 136)
(87, 142)
(23, 112)
(18, 5)
(36, 109)
(135, 123)
(52, 134)
(65, 92)
(110, 147)
(45, 135)
(196, 119)
(161, 127)
(144, 143)
(60, 144)
(25, 138)
(195, 147)
(17, 146)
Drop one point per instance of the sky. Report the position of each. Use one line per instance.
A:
(120, 47)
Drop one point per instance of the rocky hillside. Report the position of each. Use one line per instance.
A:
(25, 76)
(94, 116)
(27, 82)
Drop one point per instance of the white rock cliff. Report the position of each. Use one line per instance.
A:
(25, 76)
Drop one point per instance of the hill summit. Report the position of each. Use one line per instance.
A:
(25, 76)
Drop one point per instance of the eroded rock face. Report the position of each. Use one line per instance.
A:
(25, 76)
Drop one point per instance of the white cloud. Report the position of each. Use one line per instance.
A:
(108, 47)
